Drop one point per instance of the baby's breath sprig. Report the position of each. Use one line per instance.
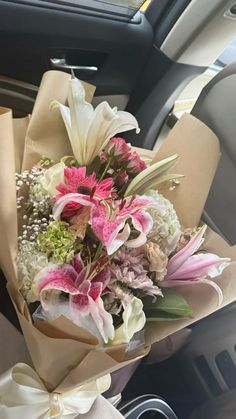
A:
(36, 202)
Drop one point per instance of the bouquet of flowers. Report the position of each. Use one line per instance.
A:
(101, 247)
(99, 244)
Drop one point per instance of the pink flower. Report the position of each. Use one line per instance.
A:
(185, 267)
(84, 286)
(118, 147)
(128, 268)
(122, 178)
(136, 164)
(109, 222)
(79, 188)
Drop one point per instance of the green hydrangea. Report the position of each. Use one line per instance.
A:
(58, 242)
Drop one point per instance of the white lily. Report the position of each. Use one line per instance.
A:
(90, 129)
(134, 320)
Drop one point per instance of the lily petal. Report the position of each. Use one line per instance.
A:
(92, 315)
(102, 319)
(150, 176)
(81, 114)
(106, 123)
(142, 221)
(77, 263)
(138, 242)
(200, 265)
(199, 281)
(193, 245)
(61, 203)
(134, 320)
(117, 239)
(56, 279)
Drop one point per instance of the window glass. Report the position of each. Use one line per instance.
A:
(122, 8)
(190, 94)
(227, 56)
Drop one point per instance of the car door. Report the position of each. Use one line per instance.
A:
(110, 43)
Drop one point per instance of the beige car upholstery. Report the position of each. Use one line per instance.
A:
(216, 107)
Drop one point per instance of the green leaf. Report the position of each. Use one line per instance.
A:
(161, 316)
(172, 306)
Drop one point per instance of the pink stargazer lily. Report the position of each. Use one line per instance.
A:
(84, 286)
(109, 222)
(185, 267)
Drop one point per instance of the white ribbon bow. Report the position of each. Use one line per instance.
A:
(23, 395)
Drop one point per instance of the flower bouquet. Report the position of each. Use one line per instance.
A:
(107, 257)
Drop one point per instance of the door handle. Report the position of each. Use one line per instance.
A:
(61, 64)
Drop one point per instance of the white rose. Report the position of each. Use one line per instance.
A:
(52, 177)
(134, 320)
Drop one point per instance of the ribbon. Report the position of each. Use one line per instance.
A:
(23, 395)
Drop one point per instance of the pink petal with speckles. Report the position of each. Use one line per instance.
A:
(133, 205)
(110, 230)
(142, 221)
(80, 303)
(118, 239)
(64, 200)
(84, 288)
(56, 280)
(77, 263)
(64, 277)
(97, 226)
(95, 290)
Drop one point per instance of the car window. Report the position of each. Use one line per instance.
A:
(122, 8)
(191, 92)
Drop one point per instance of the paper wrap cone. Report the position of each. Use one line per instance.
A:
(14, 351)
(61, 349)
(199, 152)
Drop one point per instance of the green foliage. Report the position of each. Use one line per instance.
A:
(172, 306)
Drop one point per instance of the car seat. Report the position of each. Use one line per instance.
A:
(216, 107)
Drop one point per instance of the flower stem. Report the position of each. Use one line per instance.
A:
(105, 170)
(98, 251)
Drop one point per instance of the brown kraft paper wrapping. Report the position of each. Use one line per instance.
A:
(60, 350)
(199, 153)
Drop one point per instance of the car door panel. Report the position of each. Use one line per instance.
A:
(118, 49)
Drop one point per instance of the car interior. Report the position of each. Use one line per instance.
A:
(141, 55)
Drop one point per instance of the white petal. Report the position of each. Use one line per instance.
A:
(106, 123)
(134, 320)
(52, 178)
(138, 242)
(81, 115)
